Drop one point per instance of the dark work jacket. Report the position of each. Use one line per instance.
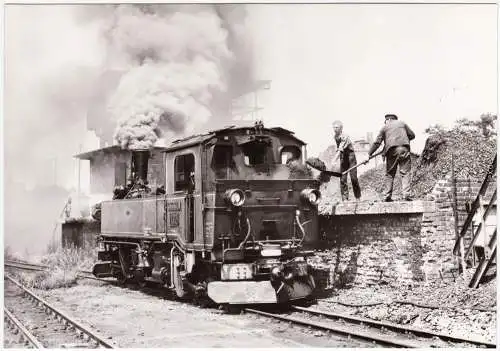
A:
(346, 149)
(393, 133)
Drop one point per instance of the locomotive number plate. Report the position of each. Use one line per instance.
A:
(173, 219)
(174, 209)
(173, 206)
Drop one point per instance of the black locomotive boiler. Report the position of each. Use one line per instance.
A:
(233, 221)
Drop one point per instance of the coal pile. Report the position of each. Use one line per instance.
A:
(372, 181)
(466, 150)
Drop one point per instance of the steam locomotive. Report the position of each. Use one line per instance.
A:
(233, 223)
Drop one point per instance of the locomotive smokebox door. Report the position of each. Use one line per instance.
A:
(269, 229)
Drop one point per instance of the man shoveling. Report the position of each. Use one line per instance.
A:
(347, 165)
(396, 136)
(345, 153)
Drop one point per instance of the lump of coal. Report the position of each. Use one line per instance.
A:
(324, 177)
(315, 162)
(298, 170)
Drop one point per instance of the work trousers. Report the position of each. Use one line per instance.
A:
(397, 156)
(348, 160)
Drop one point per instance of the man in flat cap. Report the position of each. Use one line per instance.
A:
(396, 136)
(345, 152)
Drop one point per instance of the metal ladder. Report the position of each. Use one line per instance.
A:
(486, 260)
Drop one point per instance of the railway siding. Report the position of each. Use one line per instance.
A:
(59, 330)
(419, 335)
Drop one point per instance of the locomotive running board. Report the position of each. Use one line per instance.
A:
(242, 292)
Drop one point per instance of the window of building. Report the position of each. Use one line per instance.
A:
(120, 173)
(184, 172)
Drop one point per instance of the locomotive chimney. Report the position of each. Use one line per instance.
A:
(140, 160)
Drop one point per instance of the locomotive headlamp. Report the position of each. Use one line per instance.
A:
(311, 196)
(235, 197)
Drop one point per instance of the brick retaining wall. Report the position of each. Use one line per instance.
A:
(377, 242)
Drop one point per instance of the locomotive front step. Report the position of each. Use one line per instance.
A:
(258, 292)
(243, 292)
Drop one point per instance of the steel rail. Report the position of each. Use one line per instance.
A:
(26, 334)
(60, 315)
(34, 266)
(26, 266)
(394, 327)
(387, 341)
(83, 274)
(38, 265)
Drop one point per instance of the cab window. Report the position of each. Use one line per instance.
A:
(184, 172)
(222, 161)
(290, 153)
(255, 153)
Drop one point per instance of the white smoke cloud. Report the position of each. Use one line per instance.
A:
(177, 63)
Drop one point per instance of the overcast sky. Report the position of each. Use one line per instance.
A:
(426, 63)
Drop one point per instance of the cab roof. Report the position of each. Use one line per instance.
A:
(192, 140)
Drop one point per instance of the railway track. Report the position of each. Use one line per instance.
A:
(42, 325)
(408, 330)
(378, 332)
(381, 333)
(338, 328)
(19, 332)
(25, 266)
(41, 268)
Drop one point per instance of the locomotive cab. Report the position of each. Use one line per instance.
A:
(239, 210)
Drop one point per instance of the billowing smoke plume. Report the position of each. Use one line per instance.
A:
(179, 65)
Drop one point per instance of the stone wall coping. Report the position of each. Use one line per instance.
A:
(370, 207)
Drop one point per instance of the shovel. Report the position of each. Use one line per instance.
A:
(336, 173)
